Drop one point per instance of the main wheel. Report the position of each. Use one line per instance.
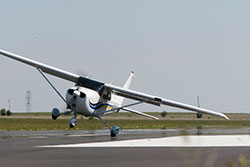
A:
(114, 131)
(112, 134)
(55, 113)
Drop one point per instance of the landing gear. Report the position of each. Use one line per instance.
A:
(73, 121)
(55, 113)
(113, 131)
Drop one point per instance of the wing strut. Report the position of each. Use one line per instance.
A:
(127, 109)
(116, 109)
(139, 113)
(113, 131)
(41, 72)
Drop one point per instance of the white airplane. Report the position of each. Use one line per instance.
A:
(95, 99)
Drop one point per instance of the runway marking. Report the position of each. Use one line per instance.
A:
(38, 137)
(177, 141)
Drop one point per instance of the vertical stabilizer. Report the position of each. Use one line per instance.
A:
(129, 81)
(118, 100)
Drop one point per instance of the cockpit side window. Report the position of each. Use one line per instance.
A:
(106, 95)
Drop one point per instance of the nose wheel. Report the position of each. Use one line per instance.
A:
(55, 113)
(73, 121)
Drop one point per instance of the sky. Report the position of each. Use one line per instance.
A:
(178, 49)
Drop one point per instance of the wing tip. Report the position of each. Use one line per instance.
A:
(155, 118)
(224, 116)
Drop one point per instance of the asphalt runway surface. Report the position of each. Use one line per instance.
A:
(26, 148)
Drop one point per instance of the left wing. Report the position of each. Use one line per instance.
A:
(81, 81)
(158, 100)
(45, 68)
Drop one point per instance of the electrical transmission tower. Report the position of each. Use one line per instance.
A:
(28, 101)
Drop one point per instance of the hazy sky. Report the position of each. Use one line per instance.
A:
(178, 49)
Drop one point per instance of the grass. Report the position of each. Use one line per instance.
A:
(43, 121)
(124, 114)
(85, 124)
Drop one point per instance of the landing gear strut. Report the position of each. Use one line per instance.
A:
(113, 131)
(56, 113)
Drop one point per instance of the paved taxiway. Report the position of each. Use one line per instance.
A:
(21, 148)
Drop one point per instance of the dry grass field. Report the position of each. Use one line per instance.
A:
(43, 121)
(130, 116)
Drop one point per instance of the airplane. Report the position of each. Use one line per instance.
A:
(93, 98)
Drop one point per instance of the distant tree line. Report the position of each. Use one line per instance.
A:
(4, 112)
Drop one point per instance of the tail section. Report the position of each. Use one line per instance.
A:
(129, 81)
(118, 100)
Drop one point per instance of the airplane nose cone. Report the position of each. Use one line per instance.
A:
(76, 93)
(79, 94)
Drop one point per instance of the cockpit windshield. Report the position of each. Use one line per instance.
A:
(90, 84)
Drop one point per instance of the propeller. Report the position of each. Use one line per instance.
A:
(84, 73)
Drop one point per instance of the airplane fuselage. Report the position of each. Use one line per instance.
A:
(86, 101)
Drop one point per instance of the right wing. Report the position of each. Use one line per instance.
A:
(45, 68)
(155, 100)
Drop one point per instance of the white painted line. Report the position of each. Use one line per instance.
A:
(38, 137)
(178, 141)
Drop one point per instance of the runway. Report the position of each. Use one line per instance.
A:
(68, 148)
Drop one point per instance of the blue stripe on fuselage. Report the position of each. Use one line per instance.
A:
(99, 105)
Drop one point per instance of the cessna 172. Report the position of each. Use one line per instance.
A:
(95, 99)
